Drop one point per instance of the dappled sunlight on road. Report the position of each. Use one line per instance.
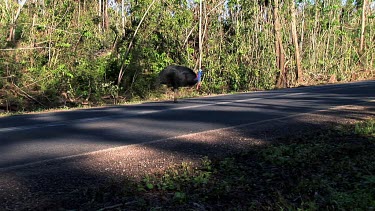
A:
(45, 182)
(42, 161)
(137, 160)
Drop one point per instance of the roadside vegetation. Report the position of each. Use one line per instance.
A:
(330, 169)
(68, 53)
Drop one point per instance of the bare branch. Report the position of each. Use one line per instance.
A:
(18, 49)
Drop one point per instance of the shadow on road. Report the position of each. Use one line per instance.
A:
(185, 136)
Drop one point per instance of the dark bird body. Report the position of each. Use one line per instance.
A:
(175, 76)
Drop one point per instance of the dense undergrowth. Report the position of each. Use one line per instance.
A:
(71, 53)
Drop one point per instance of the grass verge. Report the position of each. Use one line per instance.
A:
(329, 169)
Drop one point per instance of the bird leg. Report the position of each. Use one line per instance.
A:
(175, 95)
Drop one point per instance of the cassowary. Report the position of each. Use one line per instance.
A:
(179, 76)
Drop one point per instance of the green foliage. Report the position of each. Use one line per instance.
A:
(75, 48)
(366, 128)
(179, 180)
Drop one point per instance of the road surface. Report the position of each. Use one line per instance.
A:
(36, 138)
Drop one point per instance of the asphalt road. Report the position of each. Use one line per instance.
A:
(33, 138)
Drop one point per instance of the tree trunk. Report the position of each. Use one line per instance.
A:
(280, 53)
(79, 13)
(314, 38)
(12, 30)
(200, 34)
(105, 15)
(123, 17)
(99, 13)
(363, 25)
(299, 73)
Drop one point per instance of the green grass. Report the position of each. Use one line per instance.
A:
(366, 128)
(324, 170)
